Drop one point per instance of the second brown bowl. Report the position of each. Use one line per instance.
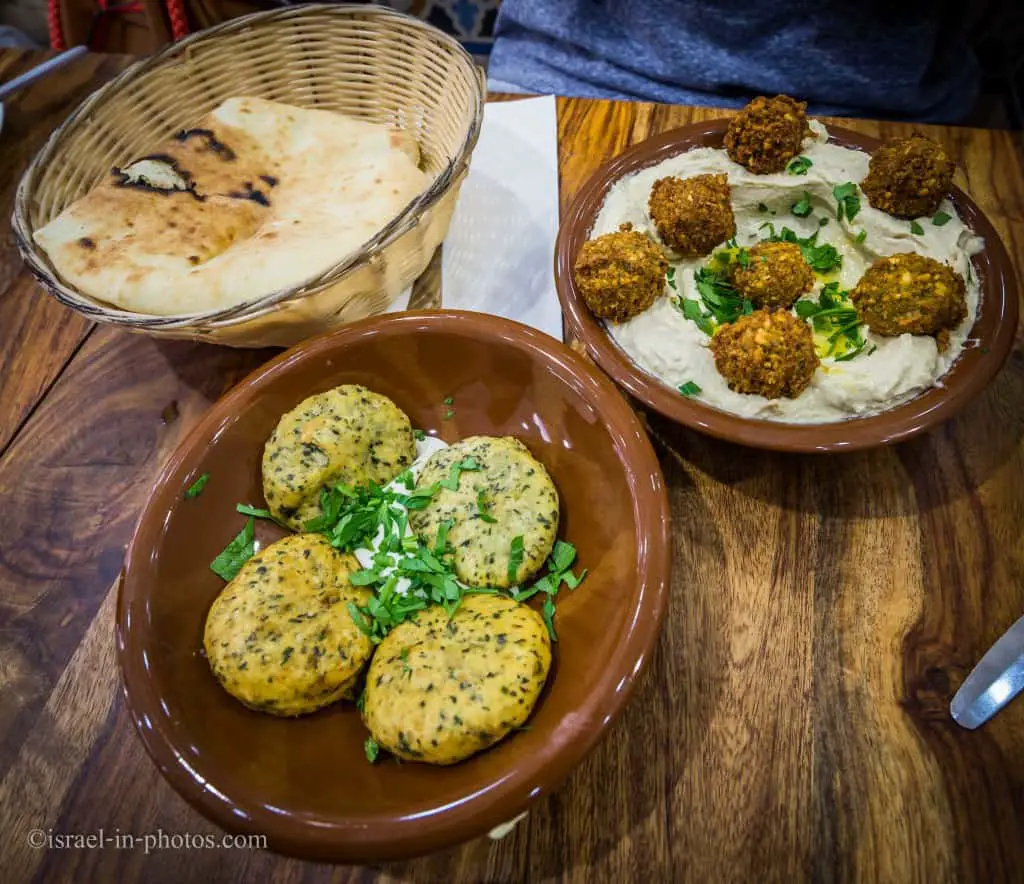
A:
(994, 328)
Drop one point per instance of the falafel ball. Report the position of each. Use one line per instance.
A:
(909, 293)
(280, 637)
(908, 177)
(769, 353)
(692, 215)
(620, 274)
(442, 687)
(767, 133)
(349, 434)
(775, 275)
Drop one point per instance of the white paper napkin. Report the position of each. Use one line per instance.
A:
(498, 256)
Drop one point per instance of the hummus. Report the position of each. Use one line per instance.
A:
(888, 371)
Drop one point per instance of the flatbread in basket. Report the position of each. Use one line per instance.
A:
(257, 198)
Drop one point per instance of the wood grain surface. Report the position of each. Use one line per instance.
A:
(793, 724)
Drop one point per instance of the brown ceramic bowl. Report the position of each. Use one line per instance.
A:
(994, 328)
(305, 782)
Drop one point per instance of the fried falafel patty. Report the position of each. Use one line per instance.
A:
(348, 435)
(510, 495)
(279, 637)
(909, 293)
(620, 274)
(767, 133)
(908, 177)
(692, 215)
(440, 690)
(769, 353)
(775, 275)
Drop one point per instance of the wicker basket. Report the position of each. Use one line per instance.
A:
(361, 60)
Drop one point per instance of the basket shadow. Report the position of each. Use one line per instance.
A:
(625, 788)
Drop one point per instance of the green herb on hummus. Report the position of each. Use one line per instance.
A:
(802, 208)
(693, 311)
(719, 296)
(847, 201)
(823, 258)
(799, 166)
(836, 323)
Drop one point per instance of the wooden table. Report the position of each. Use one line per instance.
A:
(794, 721)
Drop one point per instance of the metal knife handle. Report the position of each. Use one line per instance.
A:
(996, 680)
(47, 67)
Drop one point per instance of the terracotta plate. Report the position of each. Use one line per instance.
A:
(970, 374)
(305, 782)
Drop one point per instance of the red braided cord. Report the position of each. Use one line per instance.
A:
(53, 25)
(179, 20)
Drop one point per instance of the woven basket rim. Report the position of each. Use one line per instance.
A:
(404, 221)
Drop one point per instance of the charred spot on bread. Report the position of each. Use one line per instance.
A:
(210, 142)
(86, 243)
(250, 193)
(270, 180)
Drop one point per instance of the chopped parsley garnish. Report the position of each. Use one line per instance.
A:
(372, 749)
(833, 315)
(941, 218)
(799, 166)
(823, 258)
(548, 612)
(822, 222)
(762, 207)
(466, 465)
(916, 228)
(441, 541)
(196, 488)
(562, 557)
(731, 243)
(405, 574)
(247, 510)
(719, 297)
(419, 435)
(482, 507)
(689, 389)
(860, 237)
(450, 400)
(236, 553)
(559, 571)
(449, 414)
(258, 513)
(693, 311)
(802, 208)
(847, 201)
(515, 558)
(671, 276)
(743, 258)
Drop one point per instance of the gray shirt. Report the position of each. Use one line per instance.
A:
(905, 59)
